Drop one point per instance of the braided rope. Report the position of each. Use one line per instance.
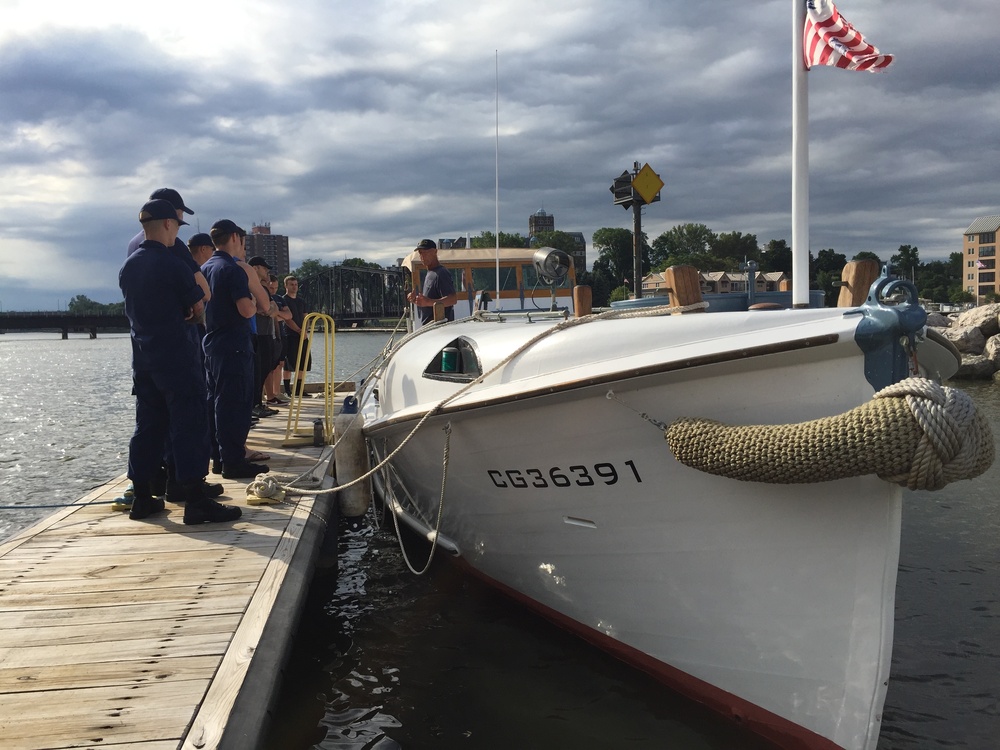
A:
(915, 433)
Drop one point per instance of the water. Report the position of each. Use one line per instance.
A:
(384, 659)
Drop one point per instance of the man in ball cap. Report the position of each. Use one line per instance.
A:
(162, 299)
(174, 199)
(438, 285)
(229, 353)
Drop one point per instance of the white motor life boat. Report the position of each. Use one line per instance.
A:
(531, 447)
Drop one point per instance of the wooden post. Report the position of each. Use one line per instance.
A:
(438, 312)
(684, 285)
(583, 301)
(855, 281)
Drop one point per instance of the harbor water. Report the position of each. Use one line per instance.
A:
(385, 659)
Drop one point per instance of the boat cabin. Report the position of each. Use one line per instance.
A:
(474, 273)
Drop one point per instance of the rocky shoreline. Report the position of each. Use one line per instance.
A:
(976, 335)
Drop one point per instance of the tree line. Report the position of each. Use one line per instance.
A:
(697, 245)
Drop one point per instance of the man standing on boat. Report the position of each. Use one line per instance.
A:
(438, 286)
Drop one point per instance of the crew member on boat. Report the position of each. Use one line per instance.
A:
(438, 286)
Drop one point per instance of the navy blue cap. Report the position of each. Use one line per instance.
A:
(200, 240)
(226, 226)
(169, 194)
(158, 209)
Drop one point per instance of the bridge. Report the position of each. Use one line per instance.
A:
(355, 296)
(63, 322)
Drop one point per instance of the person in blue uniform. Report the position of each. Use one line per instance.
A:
(438, 286)
(229, 357)
(162, 303)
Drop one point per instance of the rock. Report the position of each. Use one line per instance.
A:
(974, 367)
(985, 317)
(937, 320)
(967, 339)
(992, 351)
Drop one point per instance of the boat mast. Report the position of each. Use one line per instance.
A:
(800, 161)
(496, 172)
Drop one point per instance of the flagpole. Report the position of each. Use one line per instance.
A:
(800, 162)
(496, 174)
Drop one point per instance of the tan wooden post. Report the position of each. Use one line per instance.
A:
(684, 286)
(855, 281)
(438, 312)
(583, 301)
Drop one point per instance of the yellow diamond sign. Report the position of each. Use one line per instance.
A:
(647, 183)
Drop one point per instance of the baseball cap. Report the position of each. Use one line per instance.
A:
(258, 261)
(171, 195)
(226, 226)
(200, 240)
(155, 210)
(426, 245)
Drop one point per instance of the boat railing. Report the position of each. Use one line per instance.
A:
(530, 315)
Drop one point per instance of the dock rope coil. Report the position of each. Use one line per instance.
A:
(915, 433)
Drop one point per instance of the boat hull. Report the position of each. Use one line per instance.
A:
(772, 604)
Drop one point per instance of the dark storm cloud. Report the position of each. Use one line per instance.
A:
(356, 130)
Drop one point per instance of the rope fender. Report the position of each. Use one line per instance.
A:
(914, 433)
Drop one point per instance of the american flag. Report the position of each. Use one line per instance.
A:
(828, 39)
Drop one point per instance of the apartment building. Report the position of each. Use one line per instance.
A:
(980, 251)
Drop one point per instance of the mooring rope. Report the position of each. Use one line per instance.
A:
(915, 433)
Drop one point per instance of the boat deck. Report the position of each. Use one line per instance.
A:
(116, 632)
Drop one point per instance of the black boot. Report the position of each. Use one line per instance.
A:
(199, 508)
(144, 504)
(158, 484)
(176, 495)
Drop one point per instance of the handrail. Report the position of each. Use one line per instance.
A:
(293, 436)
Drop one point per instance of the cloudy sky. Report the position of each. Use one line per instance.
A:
(357, 128)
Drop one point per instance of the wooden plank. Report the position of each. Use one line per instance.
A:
(123, 565)
(134, 646)
(95, 716)
(145, 576)
(77, 633)
(235, 601)
(179, 594)
(41, 679)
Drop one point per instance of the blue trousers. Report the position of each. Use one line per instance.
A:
(230, 389)
(169, 410)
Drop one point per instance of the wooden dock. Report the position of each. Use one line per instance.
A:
(150, 633)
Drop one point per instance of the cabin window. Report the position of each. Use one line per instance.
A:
(457, 361)
(486, 278)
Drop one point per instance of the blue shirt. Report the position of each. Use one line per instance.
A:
(226, 330)
(159, 291)
(437, 285)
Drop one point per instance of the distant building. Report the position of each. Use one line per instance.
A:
(980, 256)
(542, 221)
(717, 282)
(271, 247)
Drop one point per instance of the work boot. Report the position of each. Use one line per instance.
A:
(176, 495)
(158, 484)
(245, 470)
(143, 502)
(200, 509)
